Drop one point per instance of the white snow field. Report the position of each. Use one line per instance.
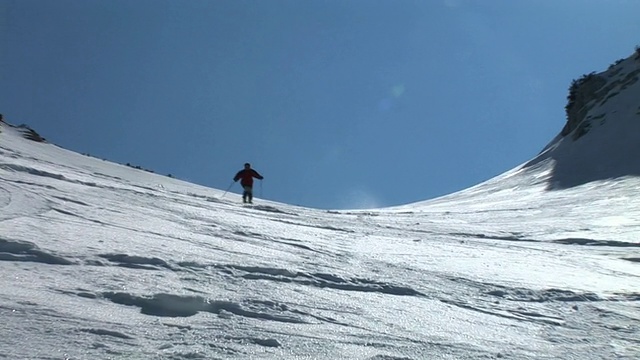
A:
(102, 261)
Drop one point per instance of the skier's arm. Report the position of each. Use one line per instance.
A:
(257, 176)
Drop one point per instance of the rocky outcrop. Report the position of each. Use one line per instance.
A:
(601, 138)
(30, 134)
(580, 101)
(592, 91)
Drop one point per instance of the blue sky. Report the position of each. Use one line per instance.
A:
(339, 104)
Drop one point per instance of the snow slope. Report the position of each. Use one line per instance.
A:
(102, 261)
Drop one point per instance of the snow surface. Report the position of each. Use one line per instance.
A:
(102, 261)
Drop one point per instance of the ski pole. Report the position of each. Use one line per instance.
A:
(229, 188)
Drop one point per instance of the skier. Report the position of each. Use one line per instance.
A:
(247, 174)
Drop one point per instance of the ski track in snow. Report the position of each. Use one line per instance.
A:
(101, 266)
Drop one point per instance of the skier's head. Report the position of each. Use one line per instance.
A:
(247, 165)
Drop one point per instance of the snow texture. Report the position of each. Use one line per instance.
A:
(102, 261)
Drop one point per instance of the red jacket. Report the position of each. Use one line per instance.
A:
(247, 176)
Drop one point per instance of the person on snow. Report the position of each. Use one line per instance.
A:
(246, 176)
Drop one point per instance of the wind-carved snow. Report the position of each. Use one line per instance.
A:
(100, 260)
(24, 251)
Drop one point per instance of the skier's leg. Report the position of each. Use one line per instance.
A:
(250, 194)
(245, 194)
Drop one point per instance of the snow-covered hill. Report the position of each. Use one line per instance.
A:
(102, 261)
(596, 153)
